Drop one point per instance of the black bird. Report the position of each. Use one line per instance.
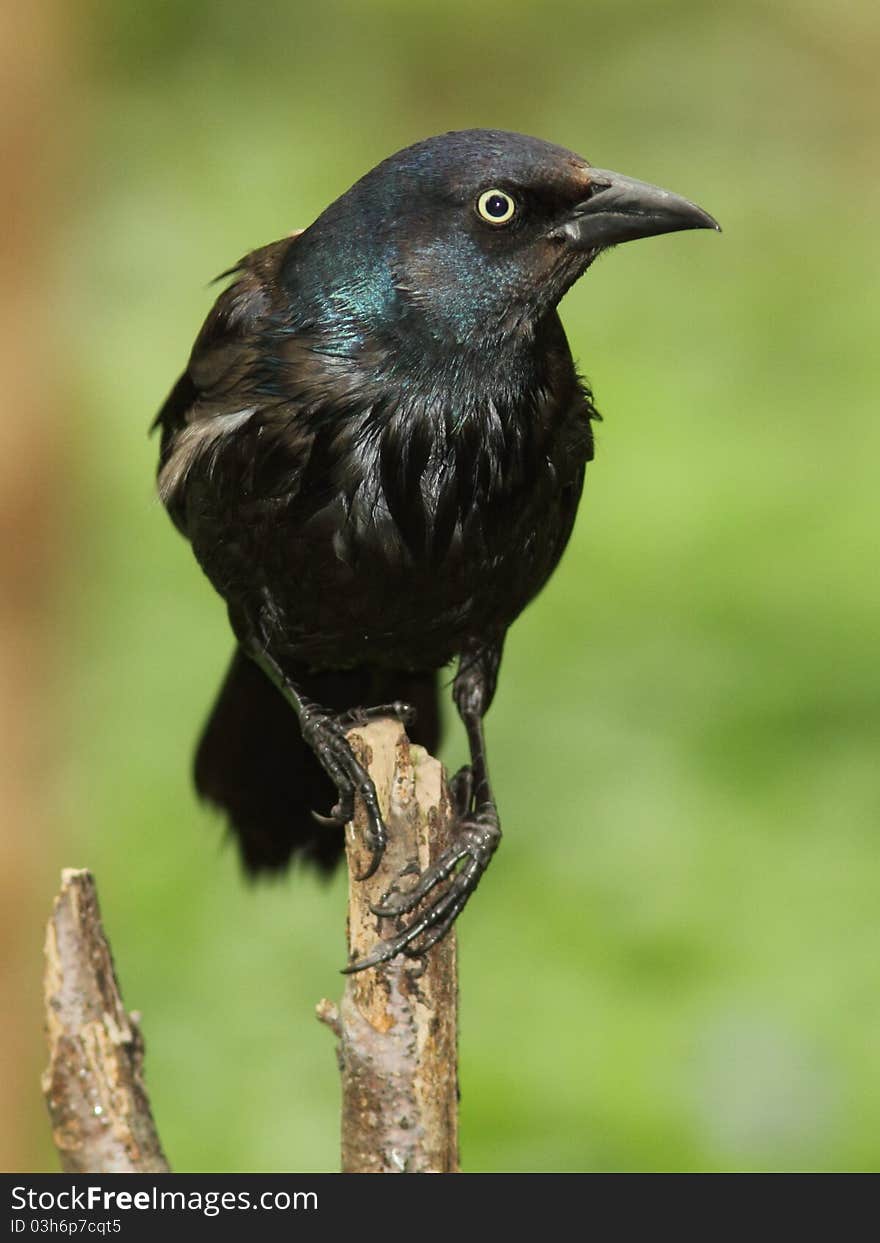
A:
(377, 451)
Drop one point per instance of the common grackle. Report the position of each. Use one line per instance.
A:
(377, 451)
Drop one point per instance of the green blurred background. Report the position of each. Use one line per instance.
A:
(673, 963)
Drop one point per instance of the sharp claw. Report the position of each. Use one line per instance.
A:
(384, 910)
(377, 851)
(379, 954)
(394, 901)
(327, 822)
(376, 840)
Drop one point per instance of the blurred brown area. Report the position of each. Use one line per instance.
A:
(32, 88)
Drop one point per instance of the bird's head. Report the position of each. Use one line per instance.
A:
(473, 237)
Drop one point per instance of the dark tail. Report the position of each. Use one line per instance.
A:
(252, 763)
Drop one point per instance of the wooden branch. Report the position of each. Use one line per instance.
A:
(94, 1088)
(397, 1023)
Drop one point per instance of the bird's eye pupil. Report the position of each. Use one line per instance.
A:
(495, 206)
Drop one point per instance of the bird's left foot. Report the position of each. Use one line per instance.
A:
(462, 865)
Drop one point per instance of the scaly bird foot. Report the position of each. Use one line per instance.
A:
(462, 865)
(397, 711)
(326, 736)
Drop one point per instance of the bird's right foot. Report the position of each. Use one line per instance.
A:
(325, 734)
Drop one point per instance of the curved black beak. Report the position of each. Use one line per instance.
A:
(621, 209)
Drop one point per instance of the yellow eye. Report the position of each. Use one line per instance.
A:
(495, 206)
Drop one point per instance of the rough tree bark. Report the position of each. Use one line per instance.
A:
(397, 1023)
(94, 1088)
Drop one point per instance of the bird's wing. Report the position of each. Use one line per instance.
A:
(220, 390)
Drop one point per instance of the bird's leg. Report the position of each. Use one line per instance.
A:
(324, 731)
(477, 834)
